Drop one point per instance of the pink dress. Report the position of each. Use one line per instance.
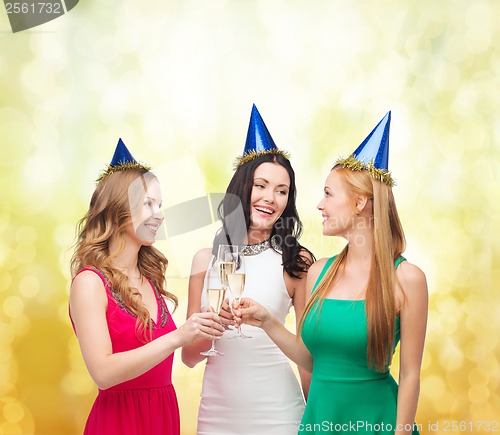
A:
(146, 405)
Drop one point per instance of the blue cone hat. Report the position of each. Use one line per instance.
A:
(122, 160)
(259, 141)
(122, 155)
(373, 153)
(258, 137)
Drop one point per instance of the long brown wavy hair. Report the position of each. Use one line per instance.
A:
(388, 244)
(113, 203)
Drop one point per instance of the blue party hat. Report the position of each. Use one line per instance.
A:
(373, 153)
(122, 160)
(258, 137)
(122, 155)
(259, 141)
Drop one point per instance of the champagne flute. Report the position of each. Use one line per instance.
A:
(215, 297)
(227, 256)
(236, 283)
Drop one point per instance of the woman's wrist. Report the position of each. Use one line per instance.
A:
(174, 340)
(270, 323)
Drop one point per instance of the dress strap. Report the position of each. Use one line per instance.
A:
(101, 275)
(323, 271)
(105, 283)
(399, 260)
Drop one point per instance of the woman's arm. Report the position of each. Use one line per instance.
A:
(253, 313)
(297, 288)
(413, 317)
(299, 302)
(191, 352)
(88, 304)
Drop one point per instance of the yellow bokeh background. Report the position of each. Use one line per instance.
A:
(176, 81)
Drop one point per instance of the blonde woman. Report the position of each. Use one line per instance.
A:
(363, 302)
(118, 305)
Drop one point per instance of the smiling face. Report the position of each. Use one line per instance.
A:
(338, 207)
(146, 211)
(271, 185)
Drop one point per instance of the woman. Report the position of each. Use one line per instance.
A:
(363, 302)
(118, 305)
(252, 389)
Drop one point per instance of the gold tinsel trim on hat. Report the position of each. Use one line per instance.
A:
(121, 167)
(354, 164)
(247, 157)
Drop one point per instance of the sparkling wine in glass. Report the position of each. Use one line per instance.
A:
(227, 257)
(225, 268)
(236, 282)
(215, 297)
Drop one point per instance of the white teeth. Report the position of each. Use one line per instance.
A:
(264, 210)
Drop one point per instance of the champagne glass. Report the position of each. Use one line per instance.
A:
(227, 257)
(215, 297)
(236, 283)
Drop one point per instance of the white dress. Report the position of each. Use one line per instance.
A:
(252, 390)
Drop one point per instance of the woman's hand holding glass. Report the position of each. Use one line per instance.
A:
(200, 326)
(250, 312)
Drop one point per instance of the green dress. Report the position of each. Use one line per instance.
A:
(346, 396)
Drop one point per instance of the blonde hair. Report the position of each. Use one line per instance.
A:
(111, 208)
(388, 244)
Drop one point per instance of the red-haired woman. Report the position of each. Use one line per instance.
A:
(363, 302)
